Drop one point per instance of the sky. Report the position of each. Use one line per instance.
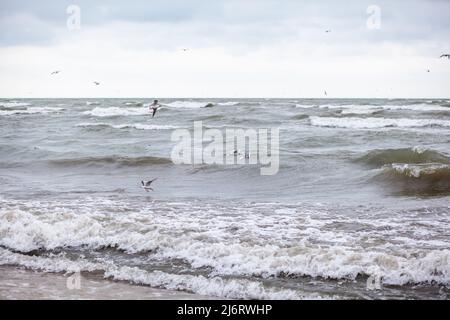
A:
(234, 48)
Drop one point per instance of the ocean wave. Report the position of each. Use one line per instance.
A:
(229, 103)
(210, 286)
(370, 108)
(134, 103)
(111, 160)
(187, 104)
(435, 171)
(137, 126)
(372, 123)
(420, 179)
(416, 155)
(14, 104)
(417, 107)
(306, 106)
(95, 103)
(116, 111)
(361, 110)
(260, 248)
(300, 117)
(31, 110)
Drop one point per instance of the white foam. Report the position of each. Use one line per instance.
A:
(416, 107)
(228, 103)
(374, 108)
(31, 110)
(210, 286)
(14, 104)
(360, 110)
(138, 126)
(370, 123)
(116, 111)
(263, 240)
(306, 106)
(187, 104)
(418, 170)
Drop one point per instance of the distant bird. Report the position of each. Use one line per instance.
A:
(326, 92)
(185, 49)
(146, 184)
(96, 83)
(327, 31)
(428, 70)
(55, 72)
(445, 56)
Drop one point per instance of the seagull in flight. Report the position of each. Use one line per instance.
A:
(96, 83)
(446, 55)
(146, 184)
(55, 72)
(327, 31)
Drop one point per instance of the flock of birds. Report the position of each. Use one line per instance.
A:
(146, 185)
(59, 71)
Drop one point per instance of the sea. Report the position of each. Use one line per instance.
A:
(359, 207)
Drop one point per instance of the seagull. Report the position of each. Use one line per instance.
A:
(185, 49)
(326, 92)
(96, 83)
(327, 31)
(428, 70)
(146, 184)
(445, 56)
(55, 72)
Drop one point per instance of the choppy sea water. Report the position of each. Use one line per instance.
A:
(362, 193)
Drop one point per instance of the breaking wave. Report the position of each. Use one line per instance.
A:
(372, 108)
(14, 104)
(416, 155)
(268, 246)
(111, 160)
(30, 110)
(371, 123)
(421, 179)
(137, 126)
(116, 111)
(187, 104)
(411, 170)
(210, 286)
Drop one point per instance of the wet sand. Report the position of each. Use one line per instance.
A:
(22, 284)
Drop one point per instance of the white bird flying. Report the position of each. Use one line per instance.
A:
(146, 184)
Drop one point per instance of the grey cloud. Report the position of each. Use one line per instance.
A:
(235, 22)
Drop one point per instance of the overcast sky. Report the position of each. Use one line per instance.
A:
(236, 48)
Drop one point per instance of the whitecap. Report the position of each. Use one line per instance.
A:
(187, 104)
(31, 110)
(116, 111)
(371, 123)
(138, 126)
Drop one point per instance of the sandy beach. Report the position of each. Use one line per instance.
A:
(22, 284)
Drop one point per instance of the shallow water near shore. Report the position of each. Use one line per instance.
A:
(362, 193)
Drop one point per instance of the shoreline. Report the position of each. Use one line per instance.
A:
(24, 284)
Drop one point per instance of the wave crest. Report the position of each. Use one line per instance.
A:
(137, 126)
(379, 158)
(372, 123)
(111, 160)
